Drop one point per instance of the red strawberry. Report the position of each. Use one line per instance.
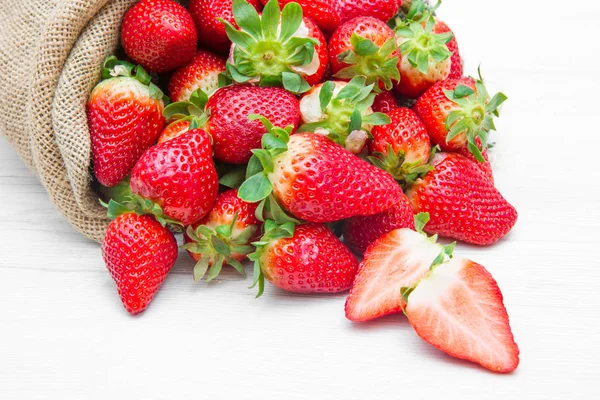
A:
(456, 69)
(457, 112)
(211, 32)
(326, 13)
(139, 253)
(202, 73)
(276, 48)
(179, 176)
(124, 117)
(383, 10)
(315, 179)
(360, 232)
(385, 102)
(402, 147)
(306, 258)
(233, 134)
(174, 129)
(397, 259)
(223, 236)
(159, 34)
(365, 46)
(458, 308)
(462, 201)
(342, 112)
(484, 166)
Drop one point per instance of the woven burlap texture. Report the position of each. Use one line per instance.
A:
(51, 53)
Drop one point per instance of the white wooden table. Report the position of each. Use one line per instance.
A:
(64, 333)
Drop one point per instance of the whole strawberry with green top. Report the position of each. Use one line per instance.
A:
(201, 73)
(315, 179)
(125, 118)
(223, 237)
(305, 258)
(459, 115)
(277, 48)
(178, 179)
(159, 34)
(342, 112)
(139, 253)
(326, 13)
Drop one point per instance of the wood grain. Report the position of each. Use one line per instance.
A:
(65, 335)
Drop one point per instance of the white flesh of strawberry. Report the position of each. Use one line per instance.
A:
(397, 260)
(310, 104)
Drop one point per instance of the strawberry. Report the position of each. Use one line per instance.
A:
(485, 166)
(402, 147)
(383, 10)
(202, 73)
(385, 102)
(211, 31)
(462, 201)
(365, 46)
(174, 129)
(159, 34)
(223, 236)
(325, 13)
(457, 112)
(360, 232)
(456, 67)
(458, 308)
(139, 253)
(124, 114)
(306, 258)
(277, 48)
(315, 179)
(179, 177)
(342, 112)
(397, 259)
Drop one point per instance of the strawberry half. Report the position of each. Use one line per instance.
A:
(124, 114)
(458, 113)
(159, 34)
(397, 259)
(462, 201)
(326, 13)
(306, 258)
(277, 48)
(207, 15)
(365, 46)
(402, 147)
(458, 308)
(139, 253)
(222, 237)
(342, 112)
(178, 179)
(202, 73)
(360, 232)
(315, 179)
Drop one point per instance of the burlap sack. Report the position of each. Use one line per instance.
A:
(51, 53)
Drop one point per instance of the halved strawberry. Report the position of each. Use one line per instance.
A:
(201, 73)
(365, 46)
(395, 260)
(315, 179)
(279, 47)
(326, 13)
(458, 308)
(222, 237)
(342, 112)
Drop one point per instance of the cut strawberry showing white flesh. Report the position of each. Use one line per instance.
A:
(459, 309)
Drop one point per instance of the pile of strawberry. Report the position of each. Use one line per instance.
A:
(295, 125)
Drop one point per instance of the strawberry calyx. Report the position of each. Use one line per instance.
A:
(394, 163)
(474, 117)
(193, 110)
(346, 112)
(419, 45)
(272, 232)
(217, 247)
(369, 60)
(115, 68)
(139, 205)
(270, 49)
(413, 11)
